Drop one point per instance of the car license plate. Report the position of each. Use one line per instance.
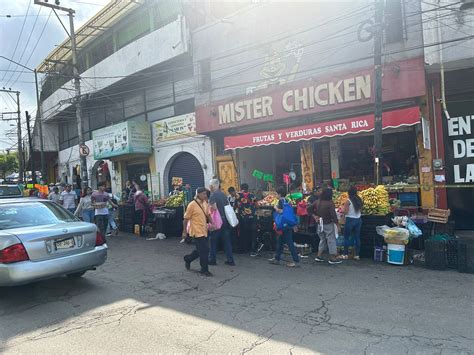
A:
(64, 243)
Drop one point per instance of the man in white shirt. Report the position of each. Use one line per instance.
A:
(68, 199)
(54, 195)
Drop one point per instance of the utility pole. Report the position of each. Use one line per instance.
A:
(18, 122)
(39, 114)
(30, 144)
(77, 83)
(378, 37)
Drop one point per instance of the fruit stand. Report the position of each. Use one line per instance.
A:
(168, 215)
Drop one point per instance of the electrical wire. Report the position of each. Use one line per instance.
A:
(18, 39)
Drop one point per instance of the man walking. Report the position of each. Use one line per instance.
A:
(68, 199)
(248, 225)
(99, 200)
(54, 195)
(218, 200)
(197, 215)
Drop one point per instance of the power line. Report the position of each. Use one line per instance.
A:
(18, 40)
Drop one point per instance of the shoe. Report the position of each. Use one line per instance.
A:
(291, 264)
(319, 259)
(253, 254)
(187, 264)
(357, 257)
(342, 257)
(274, 261)
(108, 235)
(212, 263)
(230, 263)
(206, 273)
(334, 261)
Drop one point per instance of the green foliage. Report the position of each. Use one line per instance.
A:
(8, 164)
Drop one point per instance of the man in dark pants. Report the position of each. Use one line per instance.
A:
(197, 215)
(218, 200)
(248, 223)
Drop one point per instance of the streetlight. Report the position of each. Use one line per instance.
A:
(40, 117)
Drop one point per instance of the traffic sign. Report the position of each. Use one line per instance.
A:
(84, 150)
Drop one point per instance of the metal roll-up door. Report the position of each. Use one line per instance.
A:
(187, 167)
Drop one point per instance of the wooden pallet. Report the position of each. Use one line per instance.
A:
(438, 216)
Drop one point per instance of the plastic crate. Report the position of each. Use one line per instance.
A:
(435, 254)
(452, 253)
(408, 199)
(465, 256)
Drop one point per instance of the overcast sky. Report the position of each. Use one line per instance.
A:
(29, 47)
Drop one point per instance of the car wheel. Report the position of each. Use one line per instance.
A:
(76, 275)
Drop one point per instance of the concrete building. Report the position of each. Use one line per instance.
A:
(135, 69)
(448, 29)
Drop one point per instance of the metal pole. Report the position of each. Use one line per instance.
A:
(77, 87)
(30, 144)
(39, 107)
(378, 88)
(20, 149)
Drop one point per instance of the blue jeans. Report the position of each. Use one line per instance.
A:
(88, 216)
(352, 228)
(111, 223)
(286, 238)
(214, 236)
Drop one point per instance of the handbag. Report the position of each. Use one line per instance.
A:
(216, 223)
(302, 208)
(231, 216)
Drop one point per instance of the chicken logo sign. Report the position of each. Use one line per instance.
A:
(280, 66)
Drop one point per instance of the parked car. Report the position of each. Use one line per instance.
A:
(40, 240)
(10, 191)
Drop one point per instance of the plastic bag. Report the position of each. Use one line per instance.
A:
(413, 229)
(216, 220)
(231, 216)
(394, 235)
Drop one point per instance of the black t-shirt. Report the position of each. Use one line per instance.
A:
(220, 199)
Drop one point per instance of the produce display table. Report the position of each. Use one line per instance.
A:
(169, 221)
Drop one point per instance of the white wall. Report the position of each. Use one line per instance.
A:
(69, 158)
(199, 146)
(152, 49)
(447, 24)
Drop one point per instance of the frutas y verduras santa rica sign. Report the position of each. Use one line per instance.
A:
(460, 130)
(401, 80)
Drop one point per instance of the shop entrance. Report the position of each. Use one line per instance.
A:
(135, 172)
(187, 167)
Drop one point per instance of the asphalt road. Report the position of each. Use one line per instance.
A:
(144, 301)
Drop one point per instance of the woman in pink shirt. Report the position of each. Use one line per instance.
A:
(141, 209)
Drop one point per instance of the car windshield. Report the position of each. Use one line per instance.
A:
(29, 214)
(9, 191)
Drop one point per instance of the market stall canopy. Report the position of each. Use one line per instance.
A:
(391, 119)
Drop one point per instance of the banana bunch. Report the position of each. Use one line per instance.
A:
(175, 200)
(376, 201)
(339, 198)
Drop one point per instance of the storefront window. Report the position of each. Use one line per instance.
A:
(134, 103)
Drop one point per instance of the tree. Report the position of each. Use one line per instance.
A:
(8, 164)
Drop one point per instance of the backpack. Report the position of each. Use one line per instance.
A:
(287, 218)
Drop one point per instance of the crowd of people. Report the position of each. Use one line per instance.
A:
(198, 224)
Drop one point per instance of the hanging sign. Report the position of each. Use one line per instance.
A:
(461, 149)
(268, 178)
(257, 174)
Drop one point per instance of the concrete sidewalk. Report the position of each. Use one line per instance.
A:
(143, 300)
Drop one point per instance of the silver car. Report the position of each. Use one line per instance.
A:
(40, 240)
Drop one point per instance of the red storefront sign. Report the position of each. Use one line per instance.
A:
(401, 80)
(391, 119)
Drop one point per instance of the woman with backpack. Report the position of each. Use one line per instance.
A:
(282, 208)
(352, 211)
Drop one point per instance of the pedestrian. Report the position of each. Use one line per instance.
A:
(68, 199)
(325, 214)
(85, 208)
(287, 234)
(197, 215)
(112, 205)
(99, 200)
(142, 207)
(248, 225)
(352, 211)
(54, 195)
(128, 189)
(218, 200)
(133, 191)
(188, 194)
(232, 197)
(314, 195)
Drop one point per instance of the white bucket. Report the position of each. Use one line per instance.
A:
(396, 254)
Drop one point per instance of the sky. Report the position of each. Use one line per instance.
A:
(32, 45)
